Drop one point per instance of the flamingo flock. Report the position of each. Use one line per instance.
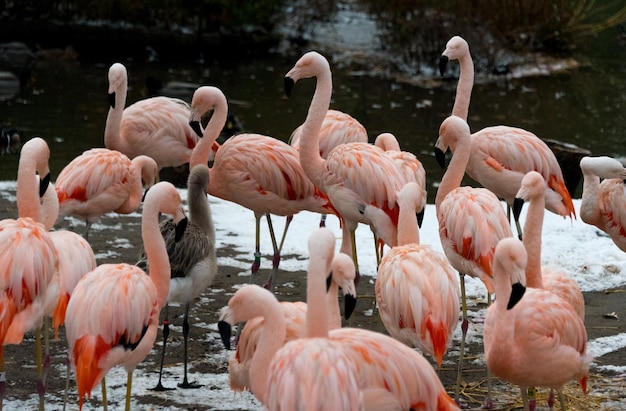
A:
(296, 355)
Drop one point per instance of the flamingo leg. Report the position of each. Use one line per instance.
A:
(67, 381)
(532, 398)
(186, 383)
(271, 281)
(3, 384)
(323, 220)
(166, 333)
(257, 250)
(464, 326)
(524, 398)
(488, 401)
(40, 383)
(561, 400)
(129, 384)
(104, 394)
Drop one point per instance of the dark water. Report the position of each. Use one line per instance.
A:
(66, 103)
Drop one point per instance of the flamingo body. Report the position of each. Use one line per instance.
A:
(552, 279)
(416, 288)
(338, 128)
(101, 181)
(28, 260)
(604, 203)
(500, 156)
(355, 176)
(523, 329)
(113, 315)
(157, 127)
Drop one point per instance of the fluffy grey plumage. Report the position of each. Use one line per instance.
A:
(192, 258)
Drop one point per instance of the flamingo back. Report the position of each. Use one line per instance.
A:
(502, 155)
(272, 182)
(28, 260)
(159, 128)
(418, 298)
(471, 223)
(107, 318)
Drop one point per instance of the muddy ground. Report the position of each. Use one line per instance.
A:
(605, 316)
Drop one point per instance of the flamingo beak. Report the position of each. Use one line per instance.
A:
(517, 292)
(443, 62)
(43, 184)
(112, 100)
(440, 156)
(180, 229)
(349, 304)
(518, 203)
(289, 83)
(195, 126)
(420, 217)
(225, 331)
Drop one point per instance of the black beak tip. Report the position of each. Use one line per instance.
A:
(443, 62)
(349, 305)
(517, 292)
(518, 203)
(195, 126)
(289, 83)
(420, 217)
(329, 281)
(440, 156)
(112, 99)
(43, 185)
(180, 229)
(225, 330)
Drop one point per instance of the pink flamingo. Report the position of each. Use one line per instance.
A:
(126, 302)
(28, 260)
(75, 256)
(537, 276)
(501, 155)
(342, 275)
(416, 288)
(101, 181)
(530, 326)
(471, 220)
(383, 366)
(258, 172)
(338, 128)
(408, 165)
(360, 179)
(603, 202)
(157, 127)
(548, 278)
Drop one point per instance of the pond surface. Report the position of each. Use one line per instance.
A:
(67, 102)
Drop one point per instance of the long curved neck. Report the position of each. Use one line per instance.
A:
(112, 138)
(464, 87)
(589, 201)
(316, 311)
(408, 232)
(201, 152)
(334, 313)
(273, 337)
(456, 169)
(28, 191)
(532, 241)
(155, 251)
(199, 210)
(310, 158)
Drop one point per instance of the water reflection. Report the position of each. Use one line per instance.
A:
(67, 105)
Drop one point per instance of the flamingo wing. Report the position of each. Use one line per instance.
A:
(472, 221)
